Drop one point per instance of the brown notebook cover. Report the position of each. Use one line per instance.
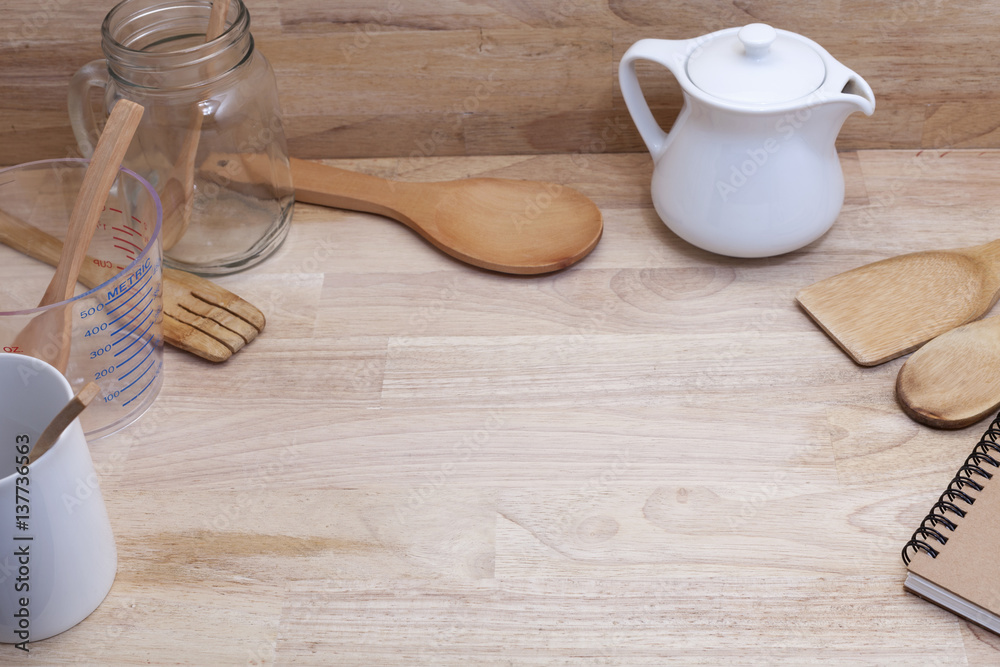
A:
(954, 557)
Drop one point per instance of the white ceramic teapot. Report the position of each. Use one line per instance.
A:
(749, 168)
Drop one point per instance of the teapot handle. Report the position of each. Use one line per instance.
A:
(672, 54)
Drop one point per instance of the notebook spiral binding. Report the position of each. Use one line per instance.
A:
(986, 451)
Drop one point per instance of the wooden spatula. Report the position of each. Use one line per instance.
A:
(199, 316)
(954, 380)
(48, 335)
(884, 310)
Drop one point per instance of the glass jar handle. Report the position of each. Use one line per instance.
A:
(81, 113)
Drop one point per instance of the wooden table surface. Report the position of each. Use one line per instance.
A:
(650, 458)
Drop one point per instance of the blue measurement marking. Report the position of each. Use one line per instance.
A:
(142, 300)
(127, 327)
(137, 326)
(140, 392)
(135, 287)
(143, 390)
(145, 342)
(152, 348)
(136, 340)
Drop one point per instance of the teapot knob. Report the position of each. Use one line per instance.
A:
(757, 39)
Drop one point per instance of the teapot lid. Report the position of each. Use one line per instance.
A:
(757, 65)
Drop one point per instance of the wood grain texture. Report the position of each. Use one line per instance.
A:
(395, 78)
(653, 457)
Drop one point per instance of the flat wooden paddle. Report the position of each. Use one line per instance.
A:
(884, 310)
(48, 335)
(954, 380)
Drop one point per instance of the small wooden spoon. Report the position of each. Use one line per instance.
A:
(47, 336)
(520, 227)
(63, 419)
(884, 310)
(954, 380)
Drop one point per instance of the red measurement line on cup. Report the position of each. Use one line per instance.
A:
(115, 210)
(126, 241)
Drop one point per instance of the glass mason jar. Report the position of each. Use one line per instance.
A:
(211, 140)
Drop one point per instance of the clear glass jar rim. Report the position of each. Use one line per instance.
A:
(120, 53)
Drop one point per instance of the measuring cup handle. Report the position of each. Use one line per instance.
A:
(81, 112)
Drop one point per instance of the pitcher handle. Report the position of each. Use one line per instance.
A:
(81, 112)
(672, 54)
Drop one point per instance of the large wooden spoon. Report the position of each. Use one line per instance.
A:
(520, 227)
(884, 310)
(47, 336)
(954, 380)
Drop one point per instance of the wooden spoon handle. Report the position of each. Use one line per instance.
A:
(987, 252)
(63, 419)
(101, 173)
(178, 195)
(338, 188)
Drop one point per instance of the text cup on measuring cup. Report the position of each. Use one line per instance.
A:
(117, 313)
(57, 553)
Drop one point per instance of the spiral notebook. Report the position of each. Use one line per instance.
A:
(953, 558)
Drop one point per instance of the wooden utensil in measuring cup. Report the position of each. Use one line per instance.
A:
(64, 418)
(953, 381)
(198, 316)
(177, 196)
(883, 310)
(48, 335)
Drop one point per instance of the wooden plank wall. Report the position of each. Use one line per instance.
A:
(476, 77)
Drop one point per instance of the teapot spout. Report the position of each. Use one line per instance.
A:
(857, 92)
(844, 86)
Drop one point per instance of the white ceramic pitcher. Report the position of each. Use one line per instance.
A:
(749, 168)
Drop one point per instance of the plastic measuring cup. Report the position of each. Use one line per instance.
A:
(117, 331)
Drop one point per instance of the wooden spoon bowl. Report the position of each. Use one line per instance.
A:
(505, 225)
(953, 381)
